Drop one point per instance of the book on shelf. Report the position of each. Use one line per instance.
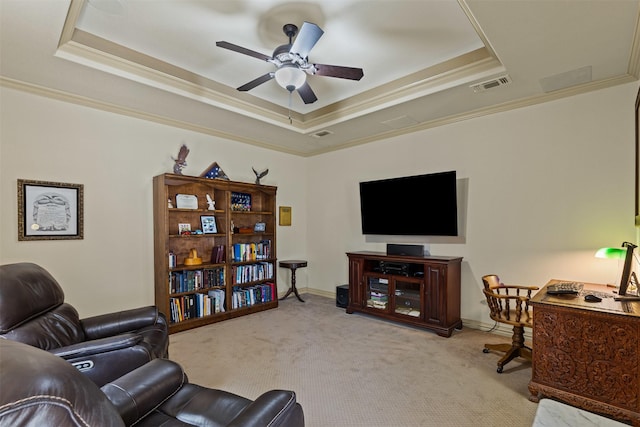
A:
(218, 254)
(251, 295)
(217, 300)
(252, 251)
(195, 280)
(252, 272)
(196, 305)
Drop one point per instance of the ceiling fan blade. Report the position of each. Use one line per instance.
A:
(305, 40)
(256, 82)
(338, 71)
(244, 50)
(306, 93)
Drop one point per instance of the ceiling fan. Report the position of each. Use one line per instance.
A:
(292, 65)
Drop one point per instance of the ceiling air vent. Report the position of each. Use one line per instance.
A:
(321, 133)
(490, 84)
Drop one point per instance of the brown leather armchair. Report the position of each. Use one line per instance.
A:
(105, 347)
(40, 389)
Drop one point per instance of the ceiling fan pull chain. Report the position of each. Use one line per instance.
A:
(290, 119)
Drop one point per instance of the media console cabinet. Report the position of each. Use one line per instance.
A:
(418, 291)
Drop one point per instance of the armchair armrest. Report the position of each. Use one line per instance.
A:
(526, 287)
(119, 322)
(144, 389)
(99, 346)
(273, 408)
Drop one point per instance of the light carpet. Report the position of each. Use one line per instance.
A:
(358, 370)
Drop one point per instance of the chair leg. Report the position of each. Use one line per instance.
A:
(516, 349)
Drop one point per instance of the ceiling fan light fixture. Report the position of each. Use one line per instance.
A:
(290, 77)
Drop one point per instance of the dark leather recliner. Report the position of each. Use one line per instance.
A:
(104, 347)
(39, 389)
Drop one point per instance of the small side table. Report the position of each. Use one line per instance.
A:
(293, 265)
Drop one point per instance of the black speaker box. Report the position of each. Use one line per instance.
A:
(406, 250)
(342, 296)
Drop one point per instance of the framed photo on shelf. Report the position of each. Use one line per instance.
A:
(50, 210)
(260, 227)
(183, 228)
(208, 224)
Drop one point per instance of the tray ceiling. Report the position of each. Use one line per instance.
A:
(426, 63)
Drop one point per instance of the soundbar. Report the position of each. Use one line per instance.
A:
(405, 250)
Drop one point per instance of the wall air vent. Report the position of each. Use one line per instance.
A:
(321, 133)
(490, 84)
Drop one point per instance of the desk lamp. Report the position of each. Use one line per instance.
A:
(626, 270)
(612, 253)
(620, 253)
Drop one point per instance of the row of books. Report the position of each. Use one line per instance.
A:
(246, 297)
(377, 304)
(252, 272)
(197, 305)
(194, 280)
(378, 299)
(218, 254)
(252, 251)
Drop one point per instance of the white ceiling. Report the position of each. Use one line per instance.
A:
(158, 60)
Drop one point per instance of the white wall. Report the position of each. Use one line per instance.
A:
(116, 157)
(547, 186)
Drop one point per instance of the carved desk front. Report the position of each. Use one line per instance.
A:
(587, 354)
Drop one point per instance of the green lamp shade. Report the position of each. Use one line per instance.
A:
(616, 253)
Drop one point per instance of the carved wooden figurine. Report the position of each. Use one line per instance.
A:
(260, 175)
(181, 161)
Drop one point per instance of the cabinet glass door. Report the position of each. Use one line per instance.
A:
(407, 298)
(377, 293)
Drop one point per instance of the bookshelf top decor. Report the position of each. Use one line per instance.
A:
(214, 172)
(181, 161)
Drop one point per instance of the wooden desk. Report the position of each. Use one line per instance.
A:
(587, 354)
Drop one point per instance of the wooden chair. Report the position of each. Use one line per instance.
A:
(509, 304)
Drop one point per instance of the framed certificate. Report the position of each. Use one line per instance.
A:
(186, 201)
(50, 210)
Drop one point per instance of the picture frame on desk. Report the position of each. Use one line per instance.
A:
(50, 210)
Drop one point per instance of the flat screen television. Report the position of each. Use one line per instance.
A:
(419, 205)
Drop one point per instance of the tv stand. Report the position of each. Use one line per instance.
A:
(421, 291)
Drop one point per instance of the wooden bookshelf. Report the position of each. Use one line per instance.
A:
(242, 278)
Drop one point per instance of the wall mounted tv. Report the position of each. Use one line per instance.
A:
(419, 205)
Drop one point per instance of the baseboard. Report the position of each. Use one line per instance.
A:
(326, 294)
(494, 328)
